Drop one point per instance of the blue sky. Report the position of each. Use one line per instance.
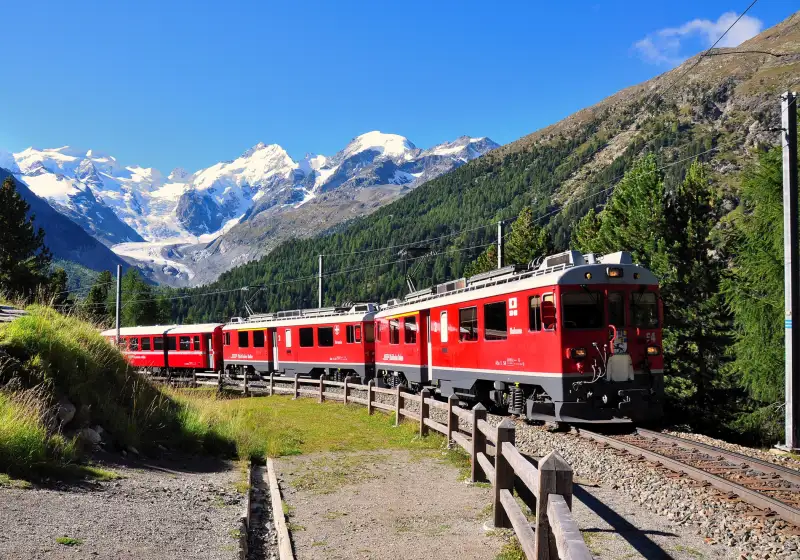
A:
(188, 84)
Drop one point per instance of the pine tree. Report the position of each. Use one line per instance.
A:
(24, 260)
(139, 307)
(526, 241)
(57, 289)
(96, 304)
(585, 232)
(485, 262)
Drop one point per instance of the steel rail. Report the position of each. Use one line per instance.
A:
(761, 501)
(766, 467)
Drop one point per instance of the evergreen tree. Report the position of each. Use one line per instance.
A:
(526, 241)
(96, 304)
(139, 307)
(57, 288)
(485, 262)
(24, 260)
(585, 232)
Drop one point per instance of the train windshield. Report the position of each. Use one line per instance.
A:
(582, 310)
(644, 309)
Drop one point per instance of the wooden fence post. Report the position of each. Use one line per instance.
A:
(452, 420)
(322, 388)
(555, 477)
(478, 443)
(244, 373)
(219, 381)
(398, 404)
(194, 378)
(424, 411)
(271, 383)
(370, 383)
(503, 473)
(296, 386)
(346, 388)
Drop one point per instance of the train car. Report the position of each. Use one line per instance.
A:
(576, 339)
(337, 341)
(173, 349)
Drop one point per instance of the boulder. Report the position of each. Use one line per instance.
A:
(89, 437)
(66, 411)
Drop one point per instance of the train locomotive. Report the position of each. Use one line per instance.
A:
(575, 338)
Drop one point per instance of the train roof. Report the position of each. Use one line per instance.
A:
(344, 314)
(570, 267)
(163, 329)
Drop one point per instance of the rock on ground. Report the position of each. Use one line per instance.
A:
(153, 512)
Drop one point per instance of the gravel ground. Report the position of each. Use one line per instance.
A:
(396, 504)
(164, 512)
(776, 457)
(263, 539)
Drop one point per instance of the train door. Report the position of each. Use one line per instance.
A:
(430, 347)
(275, 352)
(210, 350)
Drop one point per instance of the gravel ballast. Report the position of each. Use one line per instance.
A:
(163, 512)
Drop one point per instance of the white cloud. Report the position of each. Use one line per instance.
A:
(667, 46)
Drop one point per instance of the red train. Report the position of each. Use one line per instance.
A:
(574, 339)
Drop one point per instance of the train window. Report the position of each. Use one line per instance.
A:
(146, 343)
(158, 343)
(616, 309)
(644, 310)
(258, 339)
(325, 336)
(468, 324)
(495, 322)
(353, 333)
(369, 332)
(171, 343)
(197, 342)
(306, 337)
(410, 324)
(185, 343)
(134, 343)
(288, 334)
(244, 339)
(227, 339)
(394, 331)
(534, 313)
(443, 327)
(549, 312)
(582, 310)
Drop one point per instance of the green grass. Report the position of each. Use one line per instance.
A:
(69, 541)
(511, 551)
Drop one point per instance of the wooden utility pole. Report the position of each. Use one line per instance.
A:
(119, 298)
(500, 244)
(791, 263)
(319, 283)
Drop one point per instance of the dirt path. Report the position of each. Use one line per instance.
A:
(146, 515)
(397, 504)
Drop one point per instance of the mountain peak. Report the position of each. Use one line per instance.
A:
(178, 174)
(261, 146)
(388, 145)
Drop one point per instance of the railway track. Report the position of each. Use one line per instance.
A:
(774, 489)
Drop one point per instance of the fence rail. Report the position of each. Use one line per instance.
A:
(544, 486)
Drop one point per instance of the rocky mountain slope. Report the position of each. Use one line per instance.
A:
(167, 224)
(718, 110)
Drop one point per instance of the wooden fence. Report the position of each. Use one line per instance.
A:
(544, 486)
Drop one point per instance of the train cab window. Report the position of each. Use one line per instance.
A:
(134, 343)
(288, 334)
(394, 331)
(172, 342)
(410, 328)
(145, 343)
(535, 313)
(495, 321)
(258, 339)
(549, 312)
(468, 324)
(443, 328)
(616, 309)
(325, 336)
(244, 339)
(353, 334)
(122, 343)
(158, 343)
(644, 310)
(196, 342)
(306, 337)
(227, 339)
(369, 332)
(185, 343)
(582, 310)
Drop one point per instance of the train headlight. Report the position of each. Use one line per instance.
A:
(576, 353)
(653, 350)
(614, 272)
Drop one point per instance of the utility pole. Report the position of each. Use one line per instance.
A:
(319, 283)
(500, 244)
(119, 298)
(791, 263)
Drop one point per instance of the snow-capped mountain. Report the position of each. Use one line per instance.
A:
(144, 214)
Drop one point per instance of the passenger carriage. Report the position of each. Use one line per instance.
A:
(576, 339)
(337, 341)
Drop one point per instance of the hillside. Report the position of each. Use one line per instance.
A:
(720, 111)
